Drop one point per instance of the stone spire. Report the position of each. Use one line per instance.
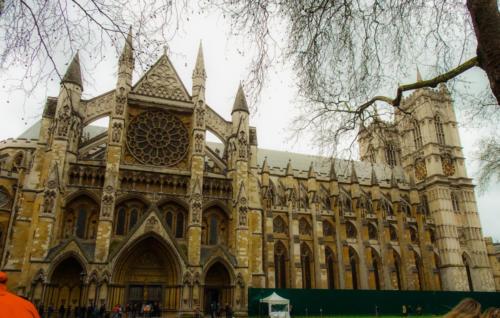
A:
(73, 73)
(265, 166)
(199, 74)
(289, 171)
(128, 48)
(374, 180)
(311, 173)
(240, 103)
(419, 76)
(333, 174)
(354, 176)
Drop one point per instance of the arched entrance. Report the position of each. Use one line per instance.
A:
(217, 287)
(66, 284)
(148, 273)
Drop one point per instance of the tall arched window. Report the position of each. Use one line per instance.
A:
(345, 203)
(405, 207)
(330, 270)
(120, 224)
(397, 269)
(413, 235)
(280, 267)
(306, 262)
(134, 215)
(353, 262)
(417, 134)
(213, 230)
(80, 218)
(424, 205)
(351, 231)
(467, 269)
(419, 267)
(393, 234)
(386, 207)
(304, 227)
(454, 202)
(438, 124)
(390, 154)
(372, 232)
(376, 268)
(279, 225)
(179, 228)
(175, 216)
(214, 227)
(328, 231)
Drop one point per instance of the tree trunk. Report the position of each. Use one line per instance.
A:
(486, 20)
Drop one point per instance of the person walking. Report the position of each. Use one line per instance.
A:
(50, 311)
(229, 311)
(62, 311)
(12, 305)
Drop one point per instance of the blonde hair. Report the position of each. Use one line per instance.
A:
(491, 312)
(467, 308)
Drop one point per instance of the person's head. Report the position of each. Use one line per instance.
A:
(3, 278)
(467, 308)
(491, 312)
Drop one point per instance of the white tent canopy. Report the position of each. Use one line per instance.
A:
(281, 308)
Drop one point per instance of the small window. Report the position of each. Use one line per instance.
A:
(133, 219)
(413, 235)
(170, 219)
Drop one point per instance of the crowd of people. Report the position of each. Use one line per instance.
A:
(18, 307)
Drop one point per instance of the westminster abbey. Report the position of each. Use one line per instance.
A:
(148, 211)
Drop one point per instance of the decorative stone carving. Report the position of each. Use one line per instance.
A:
(199, 141)
(420, 169)
(196, 207)
(107, 205)
(157, 138)
(161, 81)
(200, 115)
(448, 165)
(242, 145)
(243, 210)
(63, 121)
(49, 200)
(116, 134)
(151, 222)
(121, 100)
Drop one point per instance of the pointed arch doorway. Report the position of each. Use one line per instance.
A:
(148, 273)
(218, 289)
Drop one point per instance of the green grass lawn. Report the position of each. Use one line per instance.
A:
(354, 316)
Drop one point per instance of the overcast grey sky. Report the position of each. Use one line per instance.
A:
(226, 65)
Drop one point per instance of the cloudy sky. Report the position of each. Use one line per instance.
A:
(226, 65)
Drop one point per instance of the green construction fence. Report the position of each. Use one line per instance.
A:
(328, 302)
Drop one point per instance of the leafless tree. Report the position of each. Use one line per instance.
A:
(36, 36)
(349, 55)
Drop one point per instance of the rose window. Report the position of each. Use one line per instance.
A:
(157, 138)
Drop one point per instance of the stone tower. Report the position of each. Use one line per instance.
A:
(424, 140)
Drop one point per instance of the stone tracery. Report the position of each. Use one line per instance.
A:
(157, 138)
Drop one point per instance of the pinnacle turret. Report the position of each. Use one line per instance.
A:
(311, 173)
(374, 179)
(127, 52)
(419, 76)
(354, 176)
(73, 73)
(199, 74)
(333, 173)
(289, 171)
(265, 166)
(240, 102)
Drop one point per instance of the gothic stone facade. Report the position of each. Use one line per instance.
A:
(147, 210)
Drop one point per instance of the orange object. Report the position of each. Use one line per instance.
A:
(12, 306)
